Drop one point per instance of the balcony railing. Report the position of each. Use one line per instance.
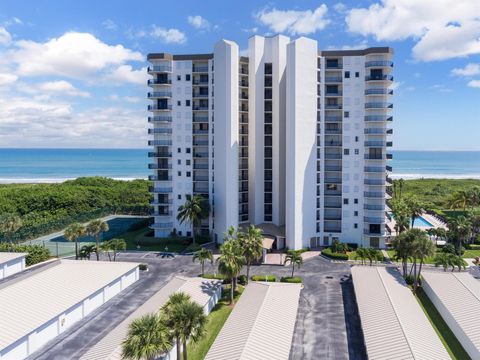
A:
(379, 63)
(333, 168)
(373, 194)
(333, 131)
(159, 107)
(379, 78)
(373, 169)
(333, 118)
(163, 154)
(162, 226)
(200, 166)
(159, 68)
(333, 205)
(161, 201)
(159, 119)
(379, 182)
(333, 79)
(200, 143)
(162, 190)
(376, 131)
(373, 157)
(333, 66)
(200, 178)
(333, 156)
(159, 94)
(332, 143)
(200, 132)
(159, 142)
(200, 95)
(160, 166)
(200, 81)
(333, 180)
(159, 82)
(198, 154)
(199, 68)
(374, 207)
(378, 118)
(333, 106)
(159, 131)
(377, 91)
(375, 143)
(200, 107)
(378, 105)
(333, 93)
(200, 118)
(373, 220)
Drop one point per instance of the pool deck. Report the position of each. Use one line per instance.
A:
(432, 220)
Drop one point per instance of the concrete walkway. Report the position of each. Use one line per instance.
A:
(279, 258)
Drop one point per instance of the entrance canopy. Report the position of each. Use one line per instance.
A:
(274, 236)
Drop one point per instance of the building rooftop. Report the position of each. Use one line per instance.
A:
(34, 300)
(8, 256)
(459, 293)
(109, 347)
(261, 325)
(394, 326)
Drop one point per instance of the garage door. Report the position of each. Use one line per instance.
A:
(18, 350)
(71, 317)
(13, 267)
(113, 289)
(93, 302)
(44, 334)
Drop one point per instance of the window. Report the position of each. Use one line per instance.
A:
(179, 77)
(347, 74)
(187, 77)
(179, 173)
(188, 174)
(355, 201)
(345, 201)
(179, 197)
(179, 162)
(187, 150)
(188, 162)
(187, 102)
(346, 114)
(189, 233)
(356, 138)
(179, 150)
(355, 226)
(357, 151)
(357, 74)
(355, 213)
(180, 233)
(346, 151)
(179, 103)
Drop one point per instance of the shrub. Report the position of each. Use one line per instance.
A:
(242, 279)
(410, 280)
(143, 267)
(267, 278)
(332, 255)
(301, 251)
(338, 247)
(35, 253)
(289, 279)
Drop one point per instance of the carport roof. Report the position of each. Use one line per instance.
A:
(9, 256)
(394, 326)
(261, 325)
(31, 301)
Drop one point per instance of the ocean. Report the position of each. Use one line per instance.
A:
(56, 165)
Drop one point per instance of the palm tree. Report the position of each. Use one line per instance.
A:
(147, 338)
(86, 251)
(361, 253)
(424, 248)
(230, 262)
(459, 229)
(252, 246)
(194, 210)
(474, 196)
(72, 233)
(202, 256)
(116, 245)
(9, 224)
(95, 228)
(442, 259)
(171, 315)
(372, 255)
(401, 215)
(460, 199)
(185, 318)
(294, 258)
(414, 208)
(403, 244)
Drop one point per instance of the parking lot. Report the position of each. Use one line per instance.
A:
(327, 325)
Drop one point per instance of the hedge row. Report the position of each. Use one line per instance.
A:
(289, 279)
(35, 253)
(267, 278)
(335, 256)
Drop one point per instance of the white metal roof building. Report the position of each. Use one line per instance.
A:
(36, 308)
(205, 292)
(457, 298)
(261, 325)
(11, 263)
(393, 323)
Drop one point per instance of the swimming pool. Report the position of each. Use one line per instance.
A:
(419, 222)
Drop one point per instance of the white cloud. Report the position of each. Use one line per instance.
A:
(469, 70)
(126, 74)
(73, 55)
(109, 25)
(441, 88)
(6, 79)
(198, 22)
(340, 7)
(40, 123)
(396, 84)
(168, 35)
(294, 22)
(5, 36)
(362, 45)
(474, 83)
(61, 87)
(442, 29)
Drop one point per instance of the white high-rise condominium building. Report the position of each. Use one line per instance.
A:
(290, 138)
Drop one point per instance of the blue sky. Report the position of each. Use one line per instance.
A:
(72, 72)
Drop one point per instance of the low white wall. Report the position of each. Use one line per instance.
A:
(12, 267)
(51, 329)
(467, 344)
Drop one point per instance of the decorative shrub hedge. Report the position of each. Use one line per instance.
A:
(335, 256)
(35, 253)
(267, 278)
(143, 266)
(289, 279)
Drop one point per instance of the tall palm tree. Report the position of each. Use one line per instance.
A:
(460, 200)
(117, 244)
(203, 255)
(9, 224)
(474, 196)
(401, 215)
(230, 262)
(414, 208)
(147, 338)
(252, 244)
(361, 253)
(72, 233)
(403, 244)
(401, 184)
(95, 228)
(171, 316)
(193, 211)
(424, 248)
(294, 258)
(459, 229)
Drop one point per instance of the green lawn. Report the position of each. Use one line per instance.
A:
(391, 253)
(216, 319)
(448, 339)
(149, 243)
(471, 254)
